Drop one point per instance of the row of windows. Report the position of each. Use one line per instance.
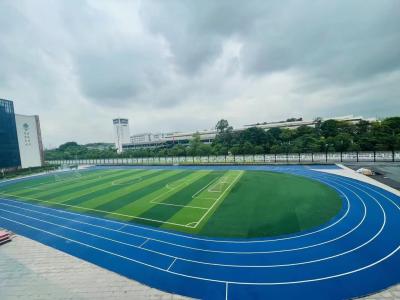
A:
(9, 150)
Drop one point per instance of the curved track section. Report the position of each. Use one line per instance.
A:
(356, 254)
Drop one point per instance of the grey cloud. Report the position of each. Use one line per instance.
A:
(172, 60)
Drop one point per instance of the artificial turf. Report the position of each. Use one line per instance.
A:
(205, 202)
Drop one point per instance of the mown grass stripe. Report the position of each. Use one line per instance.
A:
(135, 195)
(98, 201)
(82, 185)
(107, 189)
(182, 197)
(145, 203)
(42, 182)
(39, 190)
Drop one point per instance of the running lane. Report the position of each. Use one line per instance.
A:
(355, 254)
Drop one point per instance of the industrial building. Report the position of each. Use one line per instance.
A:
(157, 140)
(20, 139)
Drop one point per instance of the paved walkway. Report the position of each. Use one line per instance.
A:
(30, 270)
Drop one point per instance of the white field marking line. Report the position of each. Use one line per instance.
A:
(215, 264)
(93, 209)
(122, 227)
(208, 184)
(142, 244)
(179, 205)
(221, 182)
(217, 200)
(171, 264)
(226, 291)
(208, 279)
(198, 238)
(192, 224)
(186, 182)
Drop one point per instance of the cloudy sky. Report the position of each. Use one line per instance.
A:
(182, 65)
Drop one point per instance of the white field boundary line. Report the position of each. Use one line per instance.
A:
(219, 198)
(206, 263)
(208, 279)
(96, 210)
(188, 247)
(203, 239)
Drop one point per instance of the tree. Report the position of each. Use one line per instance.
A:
(194, 144)
(329, 128)
(222, 125)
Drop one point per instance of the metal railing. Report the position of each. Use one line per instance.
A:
(285, 158)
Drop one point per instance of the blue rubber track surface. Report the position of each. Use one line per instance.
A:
(355, 254)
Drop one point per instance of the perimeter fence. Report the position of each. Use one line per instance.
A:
(286, 158)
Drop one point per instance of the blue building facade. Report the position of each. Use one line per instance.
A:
(9, 149)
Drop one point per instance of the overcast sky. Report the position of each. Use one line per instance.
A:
(182, 65)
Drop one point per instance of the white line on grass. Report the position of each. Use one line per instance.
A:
(93, 209)
(219, 198)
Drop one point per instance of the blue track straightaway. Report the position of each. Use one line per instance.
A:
(355, 254)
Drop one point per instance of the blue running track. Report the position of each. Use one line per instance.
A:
(355, 254)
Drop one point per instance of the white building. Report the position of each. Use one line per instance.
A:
(29, 141)
(149, 140)
(121, 133)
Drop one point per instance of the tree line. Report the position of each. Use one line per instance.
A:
(325, 136)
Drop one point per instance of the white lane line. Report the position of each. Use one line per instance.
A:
(256, 266)
(203, 239)
(171, 264)
(170, 243)
(96, 210)
(226, 291)
(305, 174)
(207, 279)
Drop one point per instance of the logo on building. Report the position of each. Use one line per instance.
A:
(27, 138)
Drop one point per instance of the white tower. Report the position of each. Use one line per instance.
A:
(121, 133)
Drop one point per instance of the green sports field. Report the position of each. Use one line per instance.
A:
(229, 203)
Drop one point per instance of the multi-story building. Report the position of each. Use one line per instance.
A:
(20, 139)
(149, 140)
(9, 150)
(121, 133)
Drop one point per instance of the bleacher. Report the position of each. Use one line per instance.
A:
(5, 236)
